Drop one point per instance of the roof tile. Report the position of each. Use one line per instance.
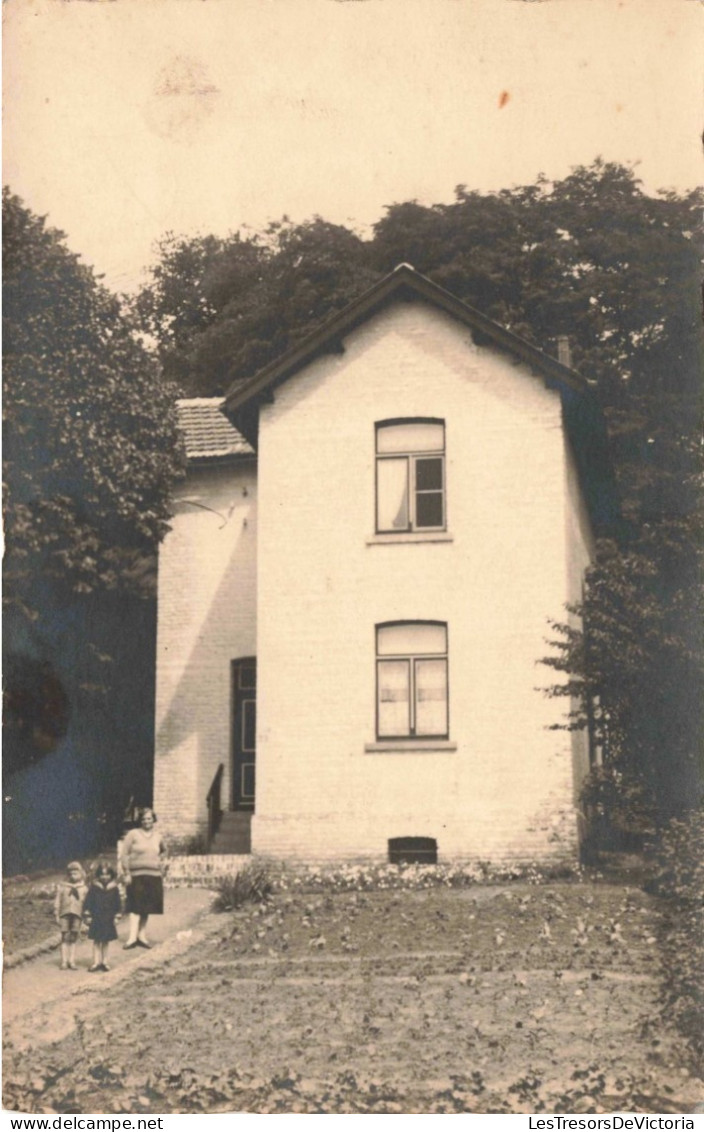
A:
(207, 431)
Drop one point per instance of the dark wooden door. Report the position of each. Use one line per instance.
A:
(244, 732)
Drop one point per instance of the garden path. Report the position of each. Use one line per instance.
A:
(40, 982)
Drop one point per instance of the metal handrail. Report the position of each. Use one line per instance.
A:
(214, 807)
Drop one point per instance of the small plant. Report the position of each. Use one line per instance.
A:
(252, 884)
(375, 876)
(194, 846)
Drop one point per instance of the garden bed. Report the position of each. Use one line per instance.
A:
(514, 998)
(27, 913)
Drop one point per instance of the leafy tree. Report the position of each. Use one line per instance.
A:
(192, 283)
(635, 672)
(90, 447)
(638, 669)
(221, 309)
(90, 455)
(591, 256)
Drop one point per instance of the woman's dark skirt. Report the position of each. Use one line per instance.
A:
(145, 896)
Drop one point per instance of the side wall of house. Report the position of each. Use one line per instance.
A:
(503, 790)
(206, 619)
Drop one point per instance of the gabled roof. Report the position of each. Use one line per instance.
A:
(207, 432)
(403, 282)
(584, 423)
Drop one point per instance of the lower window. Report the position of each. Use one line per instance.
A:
(411, 679)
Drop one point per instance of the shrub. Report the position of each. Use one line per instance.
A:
(194, 846)
(618, 809)
(679, 880)
(251, 884)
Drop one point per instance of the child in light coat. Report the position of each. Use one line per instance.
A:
(68, 909)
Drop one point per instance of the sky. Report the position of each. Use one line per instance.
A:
(125, 119)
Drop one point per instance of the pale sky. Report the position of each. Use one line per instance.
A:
(127, 118)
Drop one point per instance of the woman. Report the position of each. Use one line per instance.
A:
(140, 858)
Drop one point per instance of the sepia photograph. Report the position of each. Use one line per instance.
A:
(353, 635)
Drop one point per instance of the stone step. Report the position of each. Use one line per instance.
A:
(223, 848)
(231, 838)
(234, 834)
(234, 818)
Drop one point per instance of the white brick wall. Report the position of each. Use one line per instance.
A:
(506, 791)
(206, 618)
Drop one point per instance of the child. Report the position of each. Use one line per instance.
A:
(103, 908)
(68, 909)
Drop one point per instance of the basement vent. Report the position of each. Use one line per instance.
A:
(413, 850)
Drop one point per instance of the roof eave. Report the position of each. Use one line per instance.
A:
(328, 338)
(219, 460)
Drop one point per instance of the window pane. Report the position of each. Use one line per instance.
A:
(429, 473)
(411, 437)
(393, 678)
(429, 509)
(411, 637)
(392, 495)
(431, 697)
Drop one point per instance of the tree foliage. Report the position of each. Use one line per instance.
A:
(90, 446)
(223, 308)
(635, 672)
(594, 257)
(90, 455)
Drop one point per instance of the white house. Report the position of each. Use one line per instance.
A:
(372, 537)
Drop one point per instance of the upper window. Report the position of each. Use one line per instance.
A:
(411, 678)
(410, 475)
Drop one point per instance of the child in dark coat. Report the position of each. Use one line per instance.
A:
(102, 908)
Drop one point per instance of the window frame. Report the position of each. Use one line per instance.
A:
(411, 659)
(411, 456)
